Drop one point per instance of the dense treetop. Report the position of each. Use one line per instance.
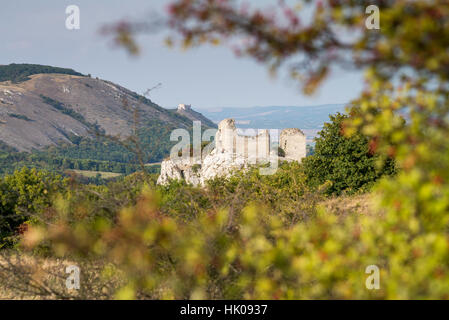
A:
(21, 72)
(346, 164)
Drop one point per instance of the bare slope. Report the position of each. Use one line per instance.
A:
(49, 108)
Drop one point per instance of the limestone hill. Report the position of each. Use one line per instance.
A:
(46, 109)
(49, 108)
(58, 112)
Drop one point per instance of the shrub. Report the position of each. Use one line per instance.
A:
(20, 116)
(22, 196)
(347, 163)
(281, 152)
(255, 254)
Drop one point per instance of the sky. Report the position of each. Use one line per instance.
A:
(205, 77)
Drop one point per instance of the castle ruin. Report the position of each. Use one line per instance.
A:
(234, 152)
(293, 142)
(227, 140)
(184, 107)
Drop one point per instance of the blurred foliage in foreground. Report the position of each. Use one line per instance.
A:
(248, 236)
(229, 241)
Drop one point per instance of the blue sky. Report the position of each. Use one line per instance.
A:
(34, 32)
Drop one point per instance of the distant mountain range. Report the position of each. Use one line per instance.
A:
(309, 119)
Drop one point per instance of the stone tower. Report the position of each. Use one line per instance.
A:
(293, 142)
(227, 140)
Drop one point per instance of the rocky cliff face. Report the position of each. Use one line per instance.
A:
(215, 164)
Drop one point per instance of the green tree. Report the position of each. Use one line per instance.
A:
(347, 163)
(22, 196)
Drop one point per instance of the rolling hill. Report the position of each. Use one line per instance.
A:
(55, 116)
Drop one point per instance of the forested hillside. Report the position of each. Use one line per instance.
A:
(20, 72)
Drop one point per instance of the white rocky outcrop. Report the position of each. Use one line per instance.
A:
(179, 170)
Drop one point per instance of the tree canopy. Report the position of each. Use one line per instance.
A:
(347, 163)
(21, 72)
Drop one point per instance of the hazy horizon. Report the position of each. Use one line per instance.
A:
(206, 77)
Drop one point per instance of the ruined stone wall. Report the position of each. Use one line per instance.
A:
(227, 140)
(223, 137)
(233, 152)
(293, 142)
(254, 147)
(184, 107)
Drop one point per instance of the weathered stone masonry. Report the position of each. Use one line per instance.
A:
(227, 140)
(233, 151)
